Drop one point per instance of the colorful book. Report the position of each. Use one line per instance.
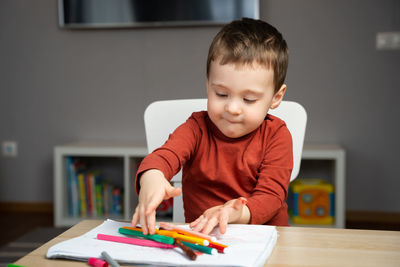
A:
(88, 194)
(88, 190)
(99, 199)
(82, 194)
(73, 188)
(93, 180)
(106, 198)
(117, 205)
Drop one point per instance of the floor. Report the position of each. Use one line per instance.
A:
(23, 245)
(16, 224)
(20, 233)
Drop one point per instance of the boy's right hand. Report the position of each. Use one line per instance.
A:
(154, 188)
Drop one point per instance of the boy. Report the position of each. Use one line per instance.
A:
(236, 158)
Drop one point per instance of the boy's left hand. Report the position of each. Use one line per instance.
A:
(233, 211)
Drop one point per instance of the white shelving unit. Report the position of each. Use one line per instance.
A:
(129, 154)
(335, 171)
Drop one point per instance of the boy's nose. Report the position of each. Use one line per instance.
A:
(233, 107)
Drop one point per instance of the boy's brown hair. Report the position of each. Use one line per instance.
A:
(246, 41)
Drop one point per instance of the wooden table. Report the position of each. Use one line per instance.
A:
(296, 246)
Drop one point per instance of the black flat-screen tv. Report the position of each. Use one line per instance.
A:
(152, 13)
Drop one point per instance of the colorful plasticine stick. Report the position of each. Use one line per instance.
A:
(173, 234)
(218, 246)
(183, 231)
(188, 251)
(201, 248)
(133, 241)
(159, 238)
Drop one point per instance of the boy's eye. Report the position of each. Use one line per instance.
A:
(249, 101)
(221, 94)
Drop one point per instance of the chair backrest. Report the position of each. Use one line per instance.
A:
(295, 117)
(162, 117)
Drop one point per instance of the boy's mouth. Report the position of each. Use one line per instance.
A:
(233, 121)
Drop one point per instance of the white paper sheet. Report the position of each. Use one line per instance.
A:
(249, 245)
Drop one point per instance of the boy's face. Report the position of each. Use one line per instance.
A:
(239, 97)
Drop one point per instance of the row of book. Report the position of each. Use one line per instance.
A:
(89, 195)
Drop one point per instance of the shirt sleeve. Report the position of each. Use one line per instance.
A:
(170, 157)
(271, 189)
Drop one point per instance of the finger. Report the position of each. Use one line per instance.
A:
(243, 200)
(143, 223)
(223, 221)
(135, 218)
(200, 224)
(195, 222)
(237, 204)
(209, 226)
(173, 192)
(151, 223)
(152, 206)
(167, 226)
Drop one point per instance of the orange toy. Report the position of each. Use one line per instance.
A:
(313, 201)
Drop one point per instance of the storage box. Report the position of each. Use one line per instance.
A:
(313, 201)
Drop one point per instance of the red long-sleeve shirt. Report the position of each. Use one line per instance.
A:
(217, 168)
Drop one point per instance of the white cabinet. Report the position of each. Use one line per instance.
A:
(329, 163)
(119, 161)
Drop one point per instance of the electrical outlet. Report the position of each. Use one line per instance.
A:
(10, 149)
(388, 40)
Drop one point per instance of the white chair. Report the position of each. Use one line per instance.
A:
(162, 117)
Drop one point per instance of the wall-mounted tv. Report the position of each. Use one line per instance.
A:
(152, 13)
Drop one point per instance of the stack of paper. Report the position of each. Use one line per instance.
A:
(249, 245)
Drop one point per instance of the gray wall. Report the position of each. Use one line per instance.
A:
(59, 86)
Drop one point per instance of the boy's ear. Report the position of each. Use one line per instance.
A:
(277, 98)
